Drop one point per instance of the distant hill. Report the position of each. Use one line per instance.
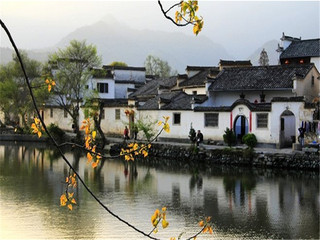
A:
(270, 48)
(118, 42)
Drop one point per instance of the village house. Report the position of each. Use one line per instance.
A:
(113, 84)
(269, 101)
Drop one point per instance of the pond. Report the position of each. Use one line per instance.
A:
(243, 203)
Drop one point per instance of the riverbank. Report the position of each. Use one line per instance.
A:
(207, 155)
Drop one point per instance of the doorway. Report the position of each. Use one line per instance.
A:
(240, 127)
(287, 129)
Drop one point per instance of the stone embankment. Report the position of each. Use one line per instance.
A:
(180, 155)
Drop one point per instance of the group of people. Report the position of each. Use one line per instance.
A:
(196, 137)
(126, 133)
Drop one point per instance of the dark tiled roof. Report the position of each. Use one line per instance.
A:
(114, 102)
(288, 99)
(173, 101)
(197, 68)
(200, 78)
(109, 67)
(259, 78)
(153, 103)
(303, 48)
(235, 63)
(151, 88)
(254, 107)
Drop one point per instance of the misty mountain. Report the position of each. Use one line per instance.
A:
(118, 42)
(270, 48)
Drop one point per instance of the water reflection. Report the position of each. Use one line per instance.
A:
(243, 203)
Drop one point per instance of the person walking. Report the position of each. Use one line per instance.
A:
(301, 136)
(126, 133)
(199, 138)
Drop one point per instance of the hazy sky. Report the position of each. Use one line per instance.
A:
(237, 25)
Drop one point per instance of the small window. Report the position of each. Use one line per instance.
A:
(194, 92)
(312, 81)
(262, 120)
(102, 87)
(211, 119)
(51, 112)
(65, 114)
(176, 118)
(117, 114)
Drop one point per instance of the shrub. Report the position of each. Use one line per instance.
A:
(229, 137)
(56, 132)
(250, 140)
(192, 134)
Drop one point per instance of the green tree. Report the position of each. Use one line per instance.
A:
(229, 137)
(156, 66)
(121, 64)
(15, 100)
(71, 68)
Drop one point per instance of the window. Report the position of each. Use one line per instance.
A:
(211, 119)
(117, 114)
(51, 112)
(262, 120)
(176, 118)
(312, 81)
(102, 87)
(65, 114)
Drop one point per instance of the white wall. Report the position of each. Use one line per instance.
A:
(58, 119)
(121, 90)
(305, 88)
(200, 91)
(111, 87)
(138, 76)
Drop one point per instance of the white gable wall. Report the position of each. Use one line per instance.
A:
(136, 75)
(111, 87)
(121, 90)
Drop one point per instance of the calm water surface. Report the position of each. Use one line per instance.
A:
(243, 203)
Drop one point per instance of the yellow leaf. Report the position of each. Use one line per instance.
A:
(94, 134)
(63, 200)
(73, 201)
(164, 223)
(53, 83)
(159, 123)
(95, 164)
(70, 206)
(145, 153)
(70, 195)
(49, 88)
(164, 209)
(201, 223)
(89, 157)
(39, 134)
(47, 81)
